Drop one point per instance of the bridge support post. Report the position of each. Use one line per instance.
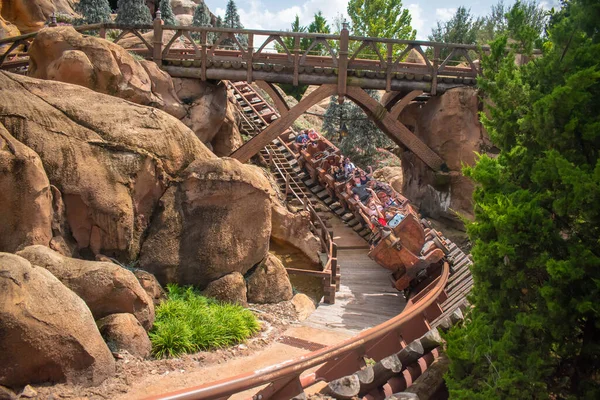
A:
(158, 38)
(343, 63)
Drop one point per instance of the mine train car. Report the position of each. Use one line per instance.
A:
(411, 250)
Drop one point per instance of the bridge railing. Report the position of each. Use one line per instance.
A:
(291, 56)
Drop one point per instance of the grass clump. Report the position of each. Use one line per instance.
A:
(188, 322)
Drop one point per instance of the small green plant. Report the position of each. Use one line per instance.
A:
(188, 322)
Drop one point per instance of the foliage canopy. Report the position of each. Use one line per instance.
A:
(534, 331)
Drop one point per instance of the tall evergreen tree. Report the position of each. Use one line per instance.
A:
(534, 330)
(133, 12)
(232, 21)
(461, 28)
(93, 11)
(166, 12)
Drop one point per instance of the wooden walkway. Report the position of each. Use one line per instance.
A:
(366, 297)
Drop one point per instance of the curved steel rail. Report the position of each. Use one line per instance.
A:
(293, 368)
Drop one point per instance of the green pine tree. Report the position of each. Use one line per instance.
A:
(92, 12)
(166, 12)
(202, 19)
(534, 330)
(232, 21)
(133, 12)
(362, 138)
(461, 28)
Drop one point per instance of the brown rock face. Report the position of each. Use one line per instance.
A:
(228, 138)
(449, 124)
(105, 287)
(231, 288)
(207, 106)
(151, 286)
(25, 196)
(111, 160)
(269, 283)
(294, 229)
(124, 332)
(217, 221)
(48, 333)
(63, 54)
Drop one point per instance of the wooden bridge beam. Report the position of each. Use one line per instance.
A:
(254, 145)
(280, 104)
(398, 107)
(399, 133)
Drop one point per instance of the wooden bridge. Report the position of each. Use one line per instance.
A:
(341, 65)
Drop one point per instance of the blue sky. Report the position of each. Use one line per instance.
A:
(278, 15)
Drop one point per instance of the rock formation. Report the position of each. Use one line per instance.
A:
(25, 196)
(63, 54)
(449, 124)
(124, 332)
(293, 228)
(130, 182)
(48, 333)
(269, 282)
(110, 174)
(217, 221)
(230, 288)
(105, 287)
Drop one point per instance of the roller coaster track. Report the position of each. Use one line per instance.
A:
(403, 347)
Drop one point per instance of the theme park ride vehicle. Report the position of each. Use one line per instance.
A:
(407, 246)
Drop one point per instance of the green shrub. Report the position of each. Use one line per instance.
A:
(188, 322)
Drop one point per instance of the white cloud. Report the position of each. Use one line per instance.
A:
(444, 14)
(257, 16)
(417, 20)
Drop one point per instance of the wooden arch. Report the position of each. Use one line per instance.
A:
(385, 120)
(280, 104)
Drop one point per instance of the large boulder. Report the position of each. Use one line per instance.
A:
(449, 125)
(63, 54)
(294, 229)
(216, 221)
(48, 333)
(269, 282)
(124, 332)
(110, 159)
(25, 196)
(303, 305)
(230, 288)
(183, 7)
(106, 288)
